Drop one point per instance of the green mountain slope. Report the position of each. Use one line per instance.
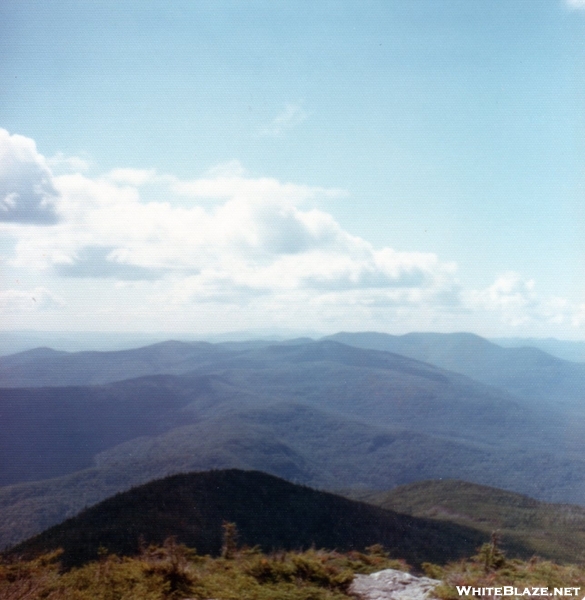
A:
(268, 512)
(296, 442)
(553, 531)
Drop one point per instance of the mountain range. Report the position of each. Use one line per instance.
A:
(332, 414)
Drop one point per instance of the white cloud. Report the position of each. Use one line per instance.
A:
(222, 186)
(252, 247)
(578, 316)
(517, 303)
(510, 295)
(27, 193)
(134, 177)
(256, 239)
(66, 163)
(232, 168)
(290, 117)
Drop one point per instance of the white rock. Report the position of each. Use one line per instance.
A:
(391, 584)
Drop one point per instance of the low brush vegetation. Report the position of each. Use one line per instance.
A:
(490, 568)
(521, 521)
(173, 571)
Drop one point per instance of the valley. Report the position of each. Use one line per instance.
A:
(362, 413)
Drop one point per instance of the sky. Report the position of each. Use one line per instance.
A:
(205, 167)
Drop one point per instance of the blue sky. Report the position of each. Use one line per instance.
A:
(212, 166)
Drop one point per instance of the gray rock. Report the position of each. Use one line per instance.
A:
(391, 584)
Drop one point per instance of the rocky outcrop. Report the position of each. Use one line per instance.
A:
(391, 584)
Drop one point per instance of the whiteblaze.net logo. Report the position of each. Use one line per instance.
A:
(509, 590)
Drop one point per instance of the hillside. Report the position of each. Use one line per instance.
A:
(318, 413)
(55, 431)
(295, 442)
(43, 367)
(552, 531)
(527, 372)
(573, 350)
(268, 512)
(524, 371)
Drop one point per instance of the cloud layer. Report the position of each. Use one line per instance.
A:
(225, 243)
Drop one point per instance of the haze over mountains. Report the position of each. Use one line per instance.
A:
(79, 427)
(524, 371)
(573, 350)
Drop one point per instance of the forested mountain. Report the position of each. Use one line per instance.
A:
(523, 371)
(526, 371)
(296, 442)
(573, 350)
(53, 431)
(267, 511)
(46, 367)
(519, 520)
(319, 413)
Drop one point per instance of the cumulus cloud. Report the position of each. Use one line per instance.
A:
(517, 302)
(376, 269)
(232, 168)
(290, 117)
(510, 293)
(27, 193)
(223, 186)
(225, 238)
(225, 244)
(578, 316)
(229, 239)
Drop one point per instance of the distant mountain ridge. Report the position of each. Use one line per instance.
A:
(42, 367)
(525, 371)
(572, 350)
